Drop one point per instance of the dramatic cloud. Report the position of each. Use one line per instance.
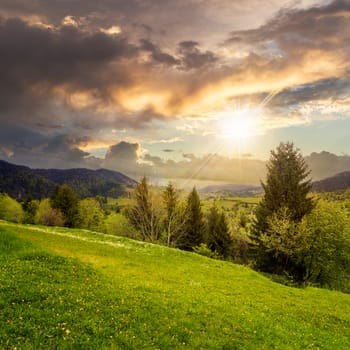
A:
(310, 48)
(73, 73)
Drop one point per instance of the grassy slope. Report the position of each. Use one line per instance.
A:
(75, 289)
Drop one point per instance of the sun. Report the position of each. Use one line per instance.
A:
(237, 125)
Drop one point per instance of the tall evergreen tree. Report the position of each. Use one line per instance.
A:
(218, 239)
(287, 186)
(194, 226)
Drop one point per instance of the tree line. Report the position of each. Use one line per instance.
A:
(165, 218)
(291, 233)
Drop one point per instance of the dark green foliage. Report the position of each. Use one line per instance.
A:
(90, 183)
(194, 226)
(20, 181)
(30, 208)
(287, 186)
(65, 200)
(218, 238)
(337, 182)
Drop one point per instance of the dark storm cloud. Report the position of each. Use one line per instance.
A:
(169, 14)
(158, 55)
(61, 82)
(25, 146)
(193, 57)
(292, 30)
(34, 60)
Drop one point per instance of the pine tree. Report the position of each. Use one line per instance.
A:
(194, 226)
(287, 186)
(219, 239)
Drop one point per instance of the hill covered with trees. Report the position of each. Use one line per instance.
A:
(21, 181)
(337, 182)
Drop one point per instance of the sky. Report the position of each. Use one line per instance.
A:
(186, 90)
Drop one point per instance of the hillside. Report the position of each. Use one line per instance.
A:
(78, 289)
(335, 183)
(20, 181)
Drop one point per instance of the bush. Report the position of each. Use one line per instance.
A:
(48, 216)
(10, 209)
(203, 249)
(117, 224)
(91, 216)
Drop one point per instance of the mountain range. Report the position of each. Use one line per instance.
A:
(20, 181)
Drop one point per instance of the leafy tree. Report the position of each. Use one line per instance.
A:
(327, 261)
(145, 214)
(219, 239)
(117, 224)
(91, 215)
(194, 226)
(48, 216)
(30, 208)
(65, 200)
(10, 209)
(174, 220)
(287, 186)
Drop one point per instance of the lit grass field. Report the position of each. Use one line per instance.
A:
(74, 289)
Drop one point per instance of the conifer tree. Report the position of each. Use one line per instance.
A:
(287, 186)
(218, 239)
(194, 226)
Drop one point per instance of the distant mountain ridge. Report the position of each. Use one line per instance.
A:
(337, 182)
(20, 181)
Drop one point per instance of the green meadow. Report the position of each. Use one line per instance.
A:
(75, 289)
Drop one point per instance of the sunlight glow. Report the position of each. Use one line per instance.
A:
(238, 125)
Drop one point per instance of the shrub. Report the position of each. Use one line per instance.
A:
(10, 209)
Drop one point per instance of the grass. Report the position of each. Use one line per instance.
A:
(75, 289)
